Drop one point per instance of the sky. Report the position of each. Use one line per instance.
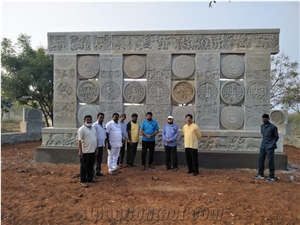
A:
(38, 18)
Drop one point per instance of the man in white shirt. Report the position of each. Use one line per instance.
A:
(101, 137)
(87, 145)
(114, 143)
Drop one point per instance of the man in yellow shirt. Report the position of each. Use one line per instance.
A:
(192, 135)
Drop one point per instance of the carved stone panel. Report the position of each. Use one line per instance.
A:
(111, 62)
(108, 108)
(207, 67)
(80, 43)
(134, 92)
(134, 66)
(253, 114)
(101, 43)
(258, 61)
(160, 113)
(232, 118)
(64, 91)
(65, 120)
(179, 113)
(257, 75)
(183, 66)
(158, 61)
(207, 116)
(64, 62)
(139, 110)
(110, 91)
(87, 91)
(85, 110)
(278, 117)
(258, 92)
(233, 66)
(32, 115)
(158, 93)
(232, 92)
(183, 92)
(207, 92)
(88, 66)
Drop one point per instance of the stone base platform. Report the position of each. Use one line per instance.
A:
(207, 159)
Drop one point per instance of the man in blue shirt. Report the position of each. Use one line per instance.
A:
(170, 134)
(149, 128)
(268, 145)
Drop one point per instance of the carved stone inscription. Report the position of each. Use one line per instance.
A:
(134, 92)
(232, 92)
(207, 92)
(88, 91)
(183, 92)
(158, 93)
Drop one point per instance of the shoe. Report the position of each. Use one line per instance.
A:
(93, 180)
(190, 171)
(120, 166)
(114, 172)
(84, 184)
(152, 167)
(127, 165)
(118, 171)
(143, 167)
(270, 179)
(259, 177)
(175, 169)
(195, 173)
(133, 165)
(168, 168)
(99, 174)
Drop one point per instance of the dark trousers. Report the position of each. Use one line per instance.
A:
(171, 153)
(86, 167)
(261, 161)
(122, 154)
(145, 146)
(192, 159)
(131, 152)
(99, 159)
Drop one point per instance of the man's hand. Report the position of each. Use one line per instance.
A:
(80, 154)
(96, 152)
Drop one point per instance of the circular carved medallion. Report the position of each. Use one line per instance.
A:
(87, 91)
(207, 92)
(64, 91)
(183, 66)
(134, 66)
(134, 92)
(183, 92)
(257, 92)
(232, 92)
(232, 66)
(277, 116)
(88, 66)
(158, 92)
(110, 91)
(232, 118)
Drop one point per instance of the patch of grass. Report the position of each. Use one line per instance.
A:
(10, 125)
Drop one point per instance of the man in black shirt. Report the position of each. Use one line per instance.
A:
(268, 145)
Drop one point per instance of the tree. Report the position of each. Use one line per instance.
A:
(285, 83)
(27, 75)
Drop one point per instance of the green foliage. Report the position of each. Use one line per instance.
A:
(285, 83)
(27, 75)
(294, 121)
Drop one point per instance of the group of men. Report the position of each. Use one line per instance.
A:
(93, 138)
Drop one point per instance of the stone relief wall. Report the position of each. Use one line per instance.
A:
(222, 79)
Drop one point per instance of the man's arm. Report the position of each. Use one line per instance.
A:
(107, 141)
(198, 133)
(80, 153)
(276, 136)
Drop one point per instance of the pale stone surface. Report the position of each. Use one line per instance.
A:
(32, 115)
(31, 127)
(221, 77)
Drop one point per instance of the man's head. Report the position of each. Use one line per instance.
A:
(265, 118)
(122, 117)
(115, 117)
(134, 117)
(188, 118)
(149, 116)
(100, 117)
(88, 120)
(170, 119)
